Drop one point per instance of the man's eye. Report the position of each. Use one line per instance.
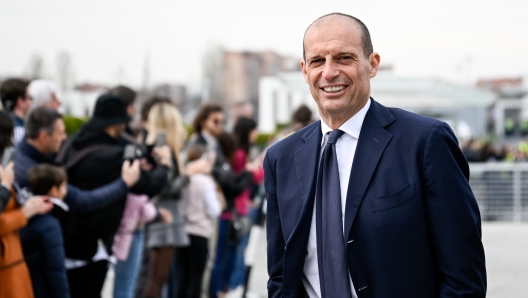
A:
(316, 61)
(345, 58)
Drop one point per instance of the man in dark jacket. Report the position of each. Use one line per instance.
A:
(44, 135)
(89, 246)
(208, 126)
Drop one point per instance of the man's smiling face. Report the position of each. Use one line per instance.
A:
(336, 68)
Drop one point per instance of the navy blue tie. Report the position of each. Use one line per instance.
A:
(333, 273)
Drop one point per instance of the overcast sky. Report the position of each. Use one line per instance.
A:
(457, 40)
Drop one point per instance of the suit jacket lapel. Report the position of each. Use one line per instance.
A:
(306, 165)
(372, 142)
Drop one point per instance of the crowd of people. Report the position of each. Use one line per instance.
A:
(485, 151)
(141, 196)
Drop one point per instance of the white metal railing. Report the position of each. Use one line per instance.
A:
(501, 190)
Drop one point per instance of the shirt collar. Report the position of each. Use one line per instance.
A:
(351, 127)
(18, 121)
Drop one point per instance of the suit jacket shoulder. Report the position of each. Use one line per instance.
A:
(290, 144)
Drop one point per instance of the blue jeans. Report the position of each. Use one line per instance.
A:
(239, 269)
(126, 272)
(217, 274)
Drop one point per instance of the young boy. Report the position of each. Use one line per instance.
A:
(41, 239)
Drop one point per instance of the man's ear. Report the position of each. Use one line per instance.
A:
(374, 61)
(18, 101)
(43, 137)
(304, 72)
(53, 191)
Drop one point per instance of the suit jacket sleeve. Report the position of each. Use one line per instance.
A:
(276, 245)
(86, 201)
(453, 216)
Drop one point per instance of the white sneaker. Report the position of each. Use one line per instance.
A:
(236, 293)
(253, 295)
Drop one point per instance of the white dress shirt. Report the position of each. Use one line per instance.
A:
(345, 150)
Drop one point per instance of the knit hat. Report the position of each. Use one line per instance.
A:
(109, 110)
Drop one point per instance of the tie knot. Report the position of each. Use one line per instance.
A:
(334, 136)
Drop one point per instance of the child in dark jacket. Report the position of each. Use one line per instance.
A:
(42, 240)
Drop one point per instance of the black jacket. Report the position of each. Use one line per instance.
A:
(232, 184)
(96, 169)
(44, 254)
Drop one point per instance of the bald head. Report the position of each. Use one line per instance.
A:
(336, 17)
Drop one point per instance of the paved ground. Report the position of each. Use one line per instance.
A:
(506, 246)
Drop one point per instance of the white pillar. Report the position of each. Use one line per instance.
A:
(499, 119)
(297, 100)
(267, 90)
(283, 106)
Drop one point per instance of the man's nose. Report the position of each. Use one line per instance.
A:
(330, 70)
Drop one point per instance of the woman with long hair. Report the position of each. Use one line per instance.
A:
(233, 269)
(165, 123)
(14, 274)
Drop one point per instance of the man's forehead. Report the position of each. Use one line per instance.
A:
(333, 38)
(328, 23)
(60, 123)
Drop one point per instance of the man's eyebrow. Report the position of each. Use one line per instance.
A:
(347, 54)
(314, 57)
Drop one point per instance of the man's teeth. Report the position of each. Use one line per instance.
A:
(334, 89)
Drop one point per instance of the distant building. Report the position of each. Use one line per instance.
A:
(238, 81)
(80, 101)
(176, 92)
(464, 108)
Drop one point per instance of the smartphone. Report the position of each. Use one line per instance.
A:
(205, 155)
(130, 152)
(7, 156)
(161, 139)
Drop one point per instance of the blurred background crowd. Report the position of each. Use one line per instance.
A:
(169, 206)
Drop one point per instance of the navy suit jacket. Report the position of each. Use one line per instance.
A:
(412, 225)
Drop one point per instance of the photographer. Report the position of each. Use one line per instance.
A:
(88, 246)
(45, 132)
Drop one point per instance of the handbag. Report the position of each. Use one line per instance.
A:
(238, 227)
(168, 234)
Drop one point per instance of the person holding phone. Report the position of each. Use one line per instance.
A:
(165, 126)
(14, 275)
(7, 175)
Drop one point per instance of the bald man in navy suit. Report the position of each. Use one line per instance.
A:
(370, 201)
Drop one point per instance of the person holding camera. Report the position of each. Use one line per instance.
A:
(88, 246)
(14, 274)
